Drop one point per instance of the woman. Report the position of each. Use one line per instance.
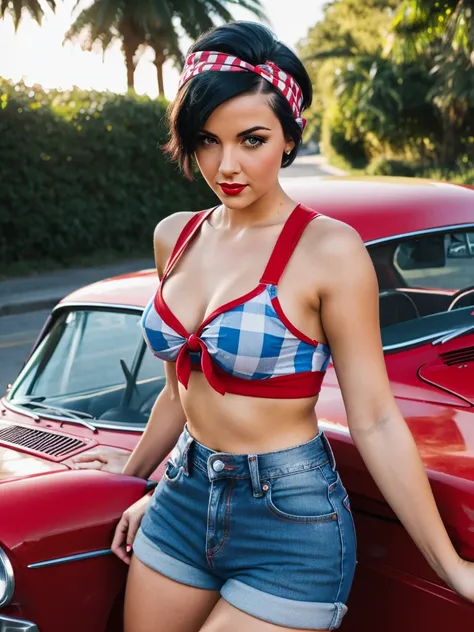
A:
(250, 527)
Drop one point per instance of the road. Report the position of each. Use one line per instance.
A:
(18, 332)
(17, 335)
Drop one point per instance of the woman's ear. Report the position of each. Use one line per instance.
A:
(289, 146)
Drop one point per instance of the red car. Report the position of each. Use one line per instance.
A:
(91, 381)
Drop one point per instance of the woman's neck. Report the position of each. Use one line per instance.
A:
(272, 208)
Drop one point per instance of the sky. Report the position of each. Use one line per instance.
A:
(37, 55)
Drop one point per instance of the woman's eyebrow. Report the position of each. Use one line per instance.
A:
(252, 129)
(246, 132)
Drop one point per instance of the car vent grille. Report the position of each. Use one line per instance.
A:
(56, 446)
(460, 356)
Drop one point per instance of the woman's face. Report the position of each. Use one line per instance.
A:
(242, 144)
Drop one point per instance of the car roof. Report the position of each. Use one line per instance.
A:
(378, 208)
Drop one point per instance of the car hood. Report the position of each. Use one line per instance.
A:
(452, 371)
(15, 464)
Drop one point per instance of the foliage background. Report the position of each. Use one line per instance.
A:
(394, 86)
(83, 172)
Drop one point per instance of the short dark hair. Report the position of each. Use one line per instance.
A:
(201, 95)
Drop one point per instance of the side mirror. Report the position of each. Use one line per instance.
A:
(426, 251)
(461, 246)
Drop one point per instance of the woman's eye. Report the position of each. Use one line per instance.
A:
(254, 141)
(208, 140)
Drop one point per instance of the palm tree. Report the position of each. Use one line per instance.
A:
(448, 24)
(442, 35)
(15, 9)
(151, 23)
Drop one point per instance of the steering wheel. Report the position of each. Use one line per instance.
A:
(395, 307)
(459, 296)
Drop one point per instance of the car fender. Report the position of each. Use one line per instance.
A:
(57, 530)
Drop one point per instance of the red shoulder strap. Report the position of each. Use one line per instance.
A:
(186, 235)
(286, 243)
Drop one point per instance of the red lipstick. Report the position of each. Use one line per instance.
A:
(232, 189)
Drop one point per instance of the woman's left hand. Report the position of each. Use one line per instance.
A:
(462, 580)
(105, 458)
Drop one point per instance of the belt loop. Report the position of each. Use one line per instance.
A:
(254, 476)
(329, 451)
(186, 455)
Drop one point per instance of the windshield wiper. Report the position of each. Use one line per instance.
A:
(453, 334)
(32, 402)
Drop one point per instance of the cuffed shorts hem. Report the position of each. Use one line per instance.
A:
(304, 615)
(153, 557)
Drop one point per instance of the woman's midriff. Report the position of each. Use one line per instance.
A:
(246, 425)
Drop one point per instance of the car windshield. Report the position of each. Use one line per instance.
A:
(92, 365)
(426, 284)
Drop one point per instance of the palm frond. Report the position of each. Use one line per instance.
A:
(254, 6)
(15, 8)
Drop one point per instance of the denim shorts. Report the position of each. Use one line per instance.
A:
(272, 532)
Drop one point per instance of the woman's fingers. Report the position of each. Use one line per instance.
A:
(119, 542)
(89, 457)
(127, 528)
(89, 465)
(133, 526)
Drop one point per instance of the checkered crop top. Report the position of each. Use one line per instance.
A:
(247, 346)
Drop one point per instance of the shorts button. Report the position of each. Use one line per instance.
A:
(218, 466)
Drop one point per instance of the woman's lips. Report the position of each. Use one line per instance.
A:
(232, 189)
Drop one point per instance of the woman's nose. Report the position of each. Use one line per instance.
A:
(229, 162)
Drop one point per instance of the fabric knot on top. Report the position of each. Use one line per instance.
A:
(193, 343)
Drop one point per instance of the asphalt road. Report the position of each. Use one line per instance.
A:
(19, 332)
(17, 335)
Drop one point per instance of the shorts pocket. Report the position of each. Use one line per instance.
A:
(300, 497)
(347, 504)
(172, 473)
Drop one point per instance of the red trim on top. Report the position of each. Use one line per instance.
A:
(167, 315)
(294, 386)
(286, 243)
(294, 330)
(189, 231)
(307, 384)
(230, 305)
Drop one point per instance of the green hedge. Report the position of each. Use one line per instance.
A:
(382, 166)
(82, 172)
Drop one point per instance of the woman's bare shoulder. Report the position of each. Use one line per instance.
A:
(166, 234)
(336, 248)
(332, 237)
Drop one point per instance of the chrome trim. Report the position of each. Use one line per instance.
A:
(460, 331)
(16, 625)
(10, 579)
(414, 341)
(71, 558)
(110, 306)
(382, 240)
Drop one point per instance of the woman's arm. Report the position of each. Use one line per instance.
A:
(167, 417)
(164, 426)
(349, 313)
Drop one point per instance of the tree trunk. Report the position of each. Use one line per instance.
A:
(453, 120)
(129, 48)
(159, 61)
(130, 70)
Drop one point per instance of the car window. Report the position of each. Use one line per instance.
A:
(421, 279)
(93, 362)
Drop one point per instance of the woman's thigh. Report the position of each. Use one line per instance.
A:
(154, 603)
(225, 617)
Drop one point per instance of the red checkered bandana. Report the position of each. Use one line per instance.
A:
(202, 61)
